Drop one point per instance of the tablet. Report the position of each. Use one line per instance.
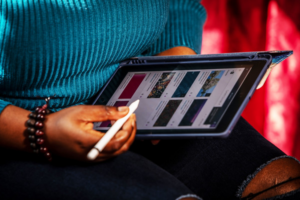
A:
(184, 98)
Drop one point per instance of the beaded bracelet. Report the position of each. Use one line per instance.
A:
(35, 135)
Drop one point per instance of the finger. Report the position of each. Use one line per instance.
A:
(123, 149)
(126, 145)
(116, 144)
(103, 113)
(91, 138)
(155, 142)
(128, 125)
(121, 137)
(129, 142)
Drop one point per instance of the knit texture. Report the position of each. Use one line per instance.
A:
(69, 48)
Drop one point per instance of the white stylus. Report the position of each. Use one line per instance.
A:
(111, 132)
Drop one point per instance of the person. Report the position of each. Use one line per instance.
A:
(67, 50)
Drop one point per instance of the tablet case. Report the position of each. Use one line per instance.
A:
(275, 58)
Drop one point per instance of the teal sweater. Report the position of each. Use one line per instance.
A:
(69, 48)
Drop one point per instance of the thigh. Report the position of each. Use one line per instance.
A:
(212, 168)
(128, 176)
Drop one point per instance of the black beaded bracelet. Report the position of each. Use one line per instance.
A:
(36, 136)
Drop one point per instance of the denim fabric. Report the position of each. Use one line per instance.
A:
(294, 195)
(215, 168)
(212, 169)
(128, 176)
(251, 176)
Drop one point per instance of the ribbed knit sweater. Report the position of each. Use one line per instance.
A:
(69, 48)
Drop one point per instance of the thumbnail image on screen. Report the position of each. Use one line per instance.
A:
(185, 84)
(210, 84)
(132, 86)
(192, 112)
(161, 85)
(167, 113)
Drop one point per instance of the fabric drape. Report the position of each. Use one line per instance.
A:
(236, 26)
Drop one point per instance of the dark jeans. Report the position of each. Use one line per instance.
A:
(210, 168)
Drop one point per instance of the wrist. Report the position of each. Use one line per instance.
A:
(35, 133)
(12, 127)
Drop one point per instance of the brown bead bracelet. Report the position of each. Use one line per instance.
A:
(36, 136)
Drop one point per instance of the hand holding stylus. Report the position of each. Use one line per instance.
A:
(92, 155)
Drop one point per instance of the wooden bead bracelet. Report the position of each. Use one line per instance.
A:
(36, 136)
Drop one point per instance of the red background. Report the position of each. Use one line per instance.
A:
(263, 25)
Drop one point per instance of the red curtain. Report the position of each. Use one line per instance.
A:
(263, 25)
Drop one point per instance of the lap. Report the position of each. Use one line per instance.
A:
(128, 176)
(212, 168)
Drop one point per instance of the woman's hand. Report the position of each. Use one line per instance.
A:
(69, 132)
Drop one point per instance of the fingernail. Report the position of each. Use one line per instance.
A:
(123, 109)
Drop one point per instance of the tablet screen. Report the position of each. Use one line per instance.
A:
(178, 99)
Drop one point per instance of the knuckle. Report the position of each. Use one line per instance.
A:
(125, 132)
(107, 111)
(106, 108)
(80, 108)
(119, 135)
(124, 135)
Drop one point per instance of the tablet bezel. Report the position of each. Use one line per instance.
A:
(259, 66)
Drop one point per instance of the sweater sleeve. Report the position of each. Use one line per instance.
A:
(3, 104)
(183, 28)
